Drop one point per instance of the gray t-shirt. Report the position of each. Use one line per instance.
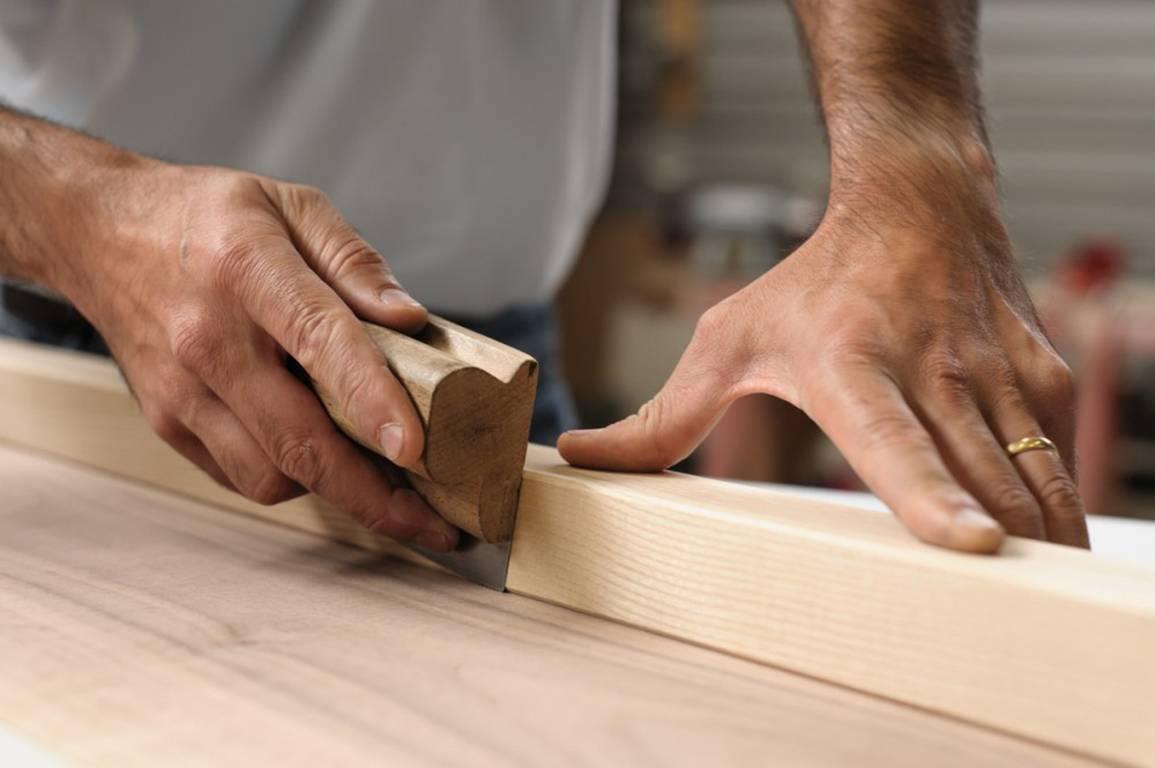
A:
(468, 140)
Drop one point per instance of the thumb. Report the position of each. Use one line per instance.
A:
(665, 430)
(350, 266)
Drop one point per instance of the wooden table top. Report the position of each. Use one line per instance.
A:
(138, 628)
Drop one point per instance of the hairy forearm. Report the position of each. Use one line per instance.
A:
(49, 176)
(898, 86)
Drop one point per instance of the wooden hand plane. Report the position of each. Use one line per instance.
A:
(475, 398)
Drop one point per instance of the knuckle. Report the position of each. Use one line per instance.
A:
(1013, 497)
(233, 262)
(1014, 502)
(946, 375)
(1059, 492)
(843, 356)
(192, 344)
(1007, 399)
(360, 386)
(297, 200)
(296, 456)
(1057, 383)
(271, 487)
(1006, 376)
(710, 323)
(650, 419)
(194, 412)
(708, 359)
(234, 186)
(314, 333)
(163, 423)
(190, 402)
(172, 384)
(858, 331)
(308, 195)
(350, 254)
(847, 344)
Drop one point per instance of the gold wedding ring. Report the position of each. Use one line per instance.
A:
(1038, 443)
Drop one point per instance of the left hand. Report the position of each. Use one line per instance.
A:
(905, 332)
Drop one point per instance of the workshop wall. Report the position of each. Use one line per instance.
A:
(1070, 90)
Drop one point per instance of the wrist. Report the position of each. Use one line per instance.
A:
(895, 162)
(933, 197)
(60, 188)
(110, 198)
(944, 184)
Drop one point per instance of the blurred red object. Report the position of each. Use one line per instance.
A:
(1092, 266)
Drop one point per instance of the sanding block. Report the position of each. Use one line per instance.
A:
(475, 399)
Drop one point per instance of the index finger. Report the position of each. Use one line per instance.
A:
(863, 411)
(317, 329)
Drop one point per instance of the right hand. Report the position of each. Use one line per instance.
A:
(203, 281)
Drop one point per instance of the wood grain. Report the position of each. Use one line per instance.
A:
(1049, 643)
(141, 629)
(77, 407)
(475, 400)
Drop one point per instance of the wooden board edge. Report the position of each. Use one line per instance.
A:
(1046, 643)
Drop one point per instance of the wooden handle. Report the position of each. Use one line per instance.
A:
(475, 399)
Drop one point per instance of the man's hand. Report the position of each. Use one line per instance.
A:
(919, 355)
(224, 276)
(901, 326)
(203, 282)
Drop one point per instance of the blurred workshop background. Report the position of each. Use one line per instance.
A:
(721, 171)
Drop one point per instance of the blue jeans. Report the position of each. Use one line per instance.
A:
(532, 329)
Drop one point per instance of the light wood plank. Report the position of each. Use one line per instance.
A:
(77, 407)
(137, 628)
(1046, 642)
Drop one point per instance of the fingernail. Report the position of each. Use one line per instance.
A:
(434, 540)
(392, 438)
(578, 432)
(397, 296)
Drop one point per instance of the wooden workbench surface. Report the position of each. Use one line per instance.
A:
(137, 628)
